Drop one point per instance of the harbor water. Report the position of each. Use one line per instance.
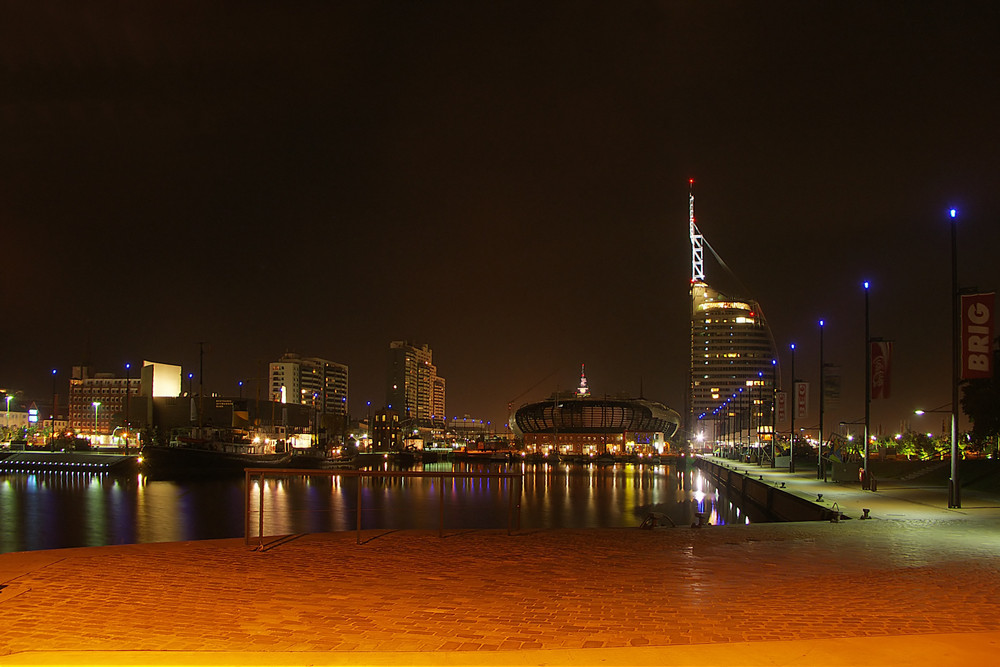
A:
(49, 510)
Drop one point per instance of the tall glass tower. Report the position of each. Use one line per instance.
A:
(732, 350)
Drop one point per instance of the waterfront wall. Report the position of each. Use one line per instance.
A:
(775, 503)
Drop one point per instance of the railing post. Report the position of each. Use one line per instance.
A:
(246, 508)
(520, 498)
(510, 504)
(260, 519)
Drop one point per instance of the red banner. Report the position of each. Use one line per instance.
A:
(881, 368)
(977, 335)
(801, 400)
(782, 412)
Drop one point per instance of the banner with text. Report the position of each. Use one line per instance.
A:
(782, 409)
(977, 336)
(881, 368)
(801, 400)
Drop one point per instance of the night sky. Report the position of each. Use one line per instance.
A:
(504, 181)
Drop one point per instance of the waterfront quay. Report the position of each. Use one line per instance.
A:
(917, 584)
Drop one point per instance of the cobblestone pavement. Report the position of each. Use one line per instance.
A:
(924, 571)
(487, 591)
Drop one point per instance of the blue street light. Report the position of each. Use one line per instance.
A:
(868, 383)
(954, 484)
(821, 467)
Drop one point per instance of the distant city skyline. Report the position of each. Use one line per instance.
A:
(506, 182)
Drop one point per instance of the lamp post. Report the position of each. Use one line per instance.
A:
(97, 405)
(7, 423)
(795, 405)
(821, 470)
(774, 406)
(954, 488)
(734, 409)
(868, 380)
(940, 410)
(241, 389)
(739, 412)
(128, 403)
(190, 380)
(54, 411)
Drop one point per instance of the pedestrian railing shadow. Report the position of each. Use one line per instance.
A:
(276, 542)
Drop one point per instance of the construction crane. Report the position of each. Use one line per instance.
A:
(510, 403)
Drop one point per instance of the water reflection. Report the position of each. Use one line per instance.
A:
(54, 510)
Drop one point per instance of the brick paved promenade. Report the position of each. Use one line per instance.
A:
(918, 584)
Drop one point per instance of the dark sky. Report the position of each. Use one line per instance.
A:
(505, 181)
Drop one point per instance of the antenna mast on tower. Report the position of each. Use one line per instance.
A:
(584, 390)
(697, 250)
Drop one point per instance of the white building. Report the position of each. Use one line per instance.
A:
(320, 383)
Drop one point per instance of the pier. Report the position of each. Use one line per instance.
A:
(67, 462)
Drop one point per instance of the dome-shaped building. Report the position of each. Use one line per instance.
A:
(571, 424)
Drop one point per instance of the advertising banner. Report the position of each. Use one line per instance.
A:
(977, 336)
(801, 400)
(881, 368)
(831, 383)
(782, 409)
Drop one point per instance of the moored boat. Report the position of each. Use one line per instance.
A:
(212, 453)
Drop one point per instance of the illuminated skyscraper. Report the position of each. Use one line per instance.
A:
(413, 387)
(731, 354)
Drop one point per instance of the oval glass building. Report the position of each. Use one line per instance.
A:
(568, 424)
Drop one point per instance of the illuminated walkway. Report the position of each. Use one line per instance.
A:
(918, 584)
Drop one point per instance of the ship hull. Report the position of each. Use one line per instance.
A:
(161, 461)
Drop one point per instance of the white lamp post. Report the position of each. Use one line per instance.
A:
(97, 405)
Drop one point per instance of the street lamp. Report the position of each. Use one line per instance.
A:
(939, 410)
(241, 389)
(8, 397)
(97, 405)
(190, 379)
(954, 488)
(774, 405)
(795, 406)
(868, 379)
(128, 393)
(821, 471)
(739, 410)
(52, 441)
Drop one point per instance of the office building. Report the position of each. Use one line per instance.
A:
(312, 381)
(97, 402)
(413, 387)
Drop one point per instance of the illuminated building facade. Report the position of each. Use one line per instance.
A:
(568, 424)
(732, 355)
(319, 383)
(413, 387)
(385, 431)
(104, 389)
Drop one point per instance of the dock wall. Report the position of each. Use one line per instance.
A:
(775, 503)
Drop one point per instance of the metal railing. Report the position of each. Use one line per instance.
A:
(513, 509)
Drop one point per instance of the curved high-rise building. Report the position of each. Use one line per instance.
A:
(732, 358)
(731, 351)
